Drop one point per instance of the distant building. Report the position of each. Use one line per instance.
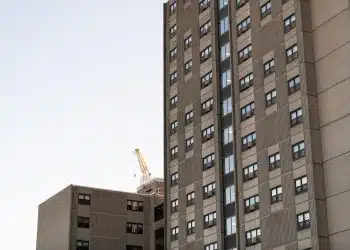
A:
(85, 218)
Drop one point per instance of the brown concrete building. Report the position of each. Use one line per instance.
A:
(84, 218)
(257, 124)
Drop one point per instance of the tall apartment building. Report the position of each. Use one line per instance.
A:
(84, 218)
(257, 124)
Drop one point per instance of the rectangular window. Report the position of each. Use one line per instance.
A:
(190, 199)
(209, 161)
(174, 179)
(188, 67)
(245, 54)
(159, 212)
(189, 144)
(173, 31)
(294, 85)
(207, 106)
(173, 102)
(134, 228)
(172, 9)
(130, 247)
(231, 225)
(243, 26)
(226, 106)
(247, 111)
(298, 150)
(205, 28)
(253, 237)
(271, 98)
(205, 54)
(174, 233)
(173, 77)
(303, 220)
(251, 204)
(225, 52)
(300, 185)
(246, 81)
(174, 206)
(208, 134)
(173, 152)
(250, 172)
(190, 227)
(289, 23)
(173, 54)
(84, 199)
(296, 117)
(265, 9)
(211, 246)
(276, 194)
(248, 141)
(269, 67)
(209, 190)
(223, 3)
(225, 79)
(274, 161)
(292, 53)
(82, 245)
(188, 42)
(224, 25)
(230, 194)
(207, 79)
(229, 164)
(173, 127)
(134, 205)
(241, 3)
(189, 117)
(203, 5)
(228, 135)
(210, 220)
(83, 222)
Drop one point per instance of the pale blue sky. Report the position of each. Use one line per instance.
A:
(80, 88)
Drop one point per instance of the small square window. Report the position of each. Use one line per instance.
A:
(296, 117)
(298, 150)
(292, 53)
(203, 5)
(274, 161)
(251, 204)
(276, 194)
(271, 98)
(269, 67)
(300, 185)
(294, 85)
(266, 9)
(303, 220)
(84, 199)
(289, 23)
(243, 26)
(205, 28)
(250, 172)
(246, 81)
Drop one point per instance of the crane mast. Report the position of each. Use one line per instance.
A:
(143, 166)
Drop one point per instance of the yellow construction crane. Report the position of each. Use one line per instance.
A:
(146, 175)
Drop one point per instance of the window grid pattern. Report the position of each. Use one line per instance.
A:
(251, 204)
(209, 161)
(210, 220)
(247, 111)
(245, 54)
(243, 26)
(250, 172)
(205, 28)
(253, 237)
(248, 141)
(209, 190)
(246, 81)
(207, 79)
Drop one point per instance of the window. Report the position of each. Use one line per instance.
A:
(208, 133)
(250, 172)
(292, 53)
(269, 67)
(189, 117)
(300, 185)
(134, 205)
(303, 220)
(245, 54)
(209, 161)
(274, 161)
(209, 190)
(130, 247)
(207, 79)
(205, 54)
(251, 204)
(83, 222)
(225, 52)
(188, 42)
(225, 79)
(294, 85)
(298, 150)
(296, 117)
(227, 106)
(248, 141)
(174, 206)
(224, 25)
(172, 8)
(173, 30)
(134, 228)
(246, 81)
(205, 28)
(174, 178)
(173, 102)
(265, 9)
(243, 26)
(211, 246)
(159, 212)
(82, 245)
(228, 135)
(173, 54)
(84, 199)
(174, 233)
(229, 164)
(253, 237)
(247, 111)
(230, 195)
(173, 127)
(207, 106)
(189, 144)
(173, 152)
(276, 194)
(231, 225)
(271, 98)
(190, 199)
(173, 78)
(240, 3)
(188, 67)
(289, 23)
(203, 5)
(190, 227)
(223, 3)
(210, 220)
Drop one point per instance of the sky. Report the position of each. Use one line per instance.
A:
(80, 88)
